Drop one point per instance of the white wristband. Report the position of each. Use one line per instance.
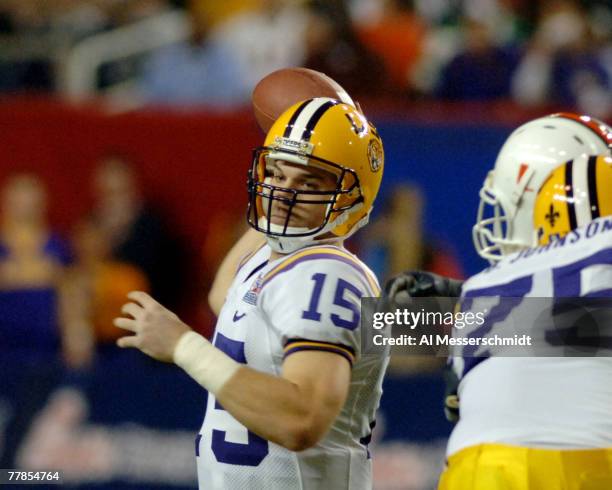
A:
(210, 367)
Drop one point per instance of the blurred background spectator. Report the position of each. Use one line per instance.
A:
(264, 38)
(566, 61)
(482, 70)
(135, 232)
(93, 290)
(32, 259)
(395, 241)
(201, 70)
(396, 34)
(334, 47)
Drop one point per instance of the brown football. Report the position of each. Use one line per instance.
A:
(279, 90)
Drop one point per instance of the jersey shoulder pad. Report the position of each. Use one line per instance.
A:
(300, 267)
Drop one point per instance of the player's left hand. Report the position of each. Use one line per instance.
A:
(156, 329)
(421, 284)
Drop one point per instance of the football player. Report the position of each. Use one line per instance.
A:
(539, 422)
(292, 399)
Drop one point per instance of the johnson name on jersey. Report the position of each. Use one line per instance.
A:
(308, 300)
(537, 400)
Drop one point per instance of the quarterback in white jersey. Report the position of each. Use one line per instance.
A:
(292, 398)
(305, 301)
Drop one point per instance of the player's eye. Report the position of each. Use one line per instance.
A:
(273, 174)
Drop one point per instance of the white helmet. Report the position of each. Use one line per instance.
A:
(504, 223)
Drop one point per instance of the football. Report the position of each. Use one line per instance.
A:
(281, 89)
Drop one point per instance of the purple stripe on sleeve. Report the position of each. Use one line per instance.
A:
(323, 348)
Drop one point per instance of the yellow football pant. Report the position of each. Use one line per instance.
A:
(501, 467)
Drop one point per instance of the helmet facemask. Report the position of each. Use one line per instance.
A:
(491, 225)
(334, 202)
(498, 231)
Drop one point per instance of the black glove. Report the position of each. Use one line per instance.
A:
(399, 292)
(419, 284)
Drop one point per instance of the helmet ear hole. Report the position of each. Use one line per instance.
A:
(351, 192)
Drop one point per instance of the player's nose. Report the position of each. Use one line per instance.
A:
(287, 191)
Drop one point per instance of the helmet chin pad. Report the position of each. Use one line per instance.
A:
(289, 244)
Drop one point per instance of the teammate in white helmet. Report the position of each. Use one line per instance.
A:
(544, 222)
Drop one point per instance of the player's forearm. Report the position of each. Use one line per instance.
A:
(274, 408)
(223, 279)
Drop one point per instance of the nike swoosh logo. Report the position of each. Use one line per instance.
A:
(238, 317)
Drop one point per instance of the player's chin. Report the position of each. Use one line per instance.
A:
(293, 222)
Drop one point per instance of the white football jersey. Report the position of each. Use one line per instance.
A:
(308, 300)
(547, 402)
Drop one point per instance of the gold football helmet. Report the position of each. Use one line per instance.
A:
(575, 193)
(322, 134)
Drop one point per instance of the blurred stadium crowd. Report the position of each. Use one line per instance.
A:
(204, 52)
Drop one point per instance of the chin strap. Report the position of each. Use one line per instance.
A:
(286, 245)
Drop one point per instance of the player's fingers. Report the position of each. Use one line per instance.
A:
(132, 309)
(142, 298)
(128, 341)
(401, 283)
(126, 324)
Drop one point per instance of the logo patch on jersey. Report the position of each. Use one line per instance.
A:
(251, 295)
(238, 317)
